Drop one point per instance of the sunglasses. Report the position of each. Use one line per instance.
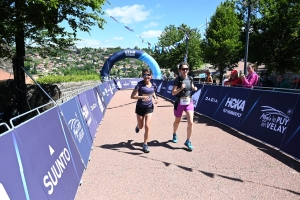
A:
(184, 69)
(145, 75)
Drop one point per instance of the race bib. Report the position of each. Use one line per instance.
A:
(149, 95)
(185, 101)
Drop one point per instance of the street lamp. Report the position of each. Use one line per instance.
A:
(249, 4)
(187, 33)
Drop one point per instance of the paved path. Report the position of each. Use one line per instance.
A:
(223, 165)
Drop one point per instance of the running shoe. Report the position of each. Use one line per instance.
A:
(137, 129)
(189, 145)
(146, 148)
(175, 139)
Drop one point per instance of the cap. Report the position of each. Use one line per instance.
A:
(234, 72)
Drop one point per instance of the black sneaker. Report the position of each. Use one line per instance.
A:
(146, 148)
(137, 129)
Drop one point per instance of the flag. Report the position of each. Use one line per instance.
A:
(115, 19)
(157, 49)
(149, 46)
(141, 38)
(160, 50)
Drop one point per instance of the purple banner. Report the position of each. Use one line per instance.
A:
(268, 115)
(94, 106)
(291, 140)
(108, 91)
(133, 82)
(168, 91)
(100, 101)
(16, 183)
(162, 87)
(78, 128)
(125, 83)
(87, 114)
(54, 158)
(104, 94)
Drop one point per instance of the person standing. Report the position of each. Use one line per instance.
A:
(182, 89)
(251, 79)
(144, 91)
(208, 79)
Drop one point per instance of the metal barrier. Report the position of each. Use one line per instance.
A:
(35, 109)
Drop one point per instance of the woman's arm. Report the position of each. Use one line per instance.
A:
(134, 95)
(176, 90)
(252, 80)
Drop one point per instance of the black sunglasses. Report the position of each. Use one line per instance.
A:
(184, 69)
(145, 75)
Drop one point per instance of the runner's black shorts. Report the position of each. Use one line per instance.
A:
(143, 111)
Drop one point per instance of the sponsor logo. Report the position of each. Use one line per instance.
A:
(100, 103)
(93, 106)
(56, 171)
(86, 115)
(236, 104)
(133, 83)
(275, 120)
(129, 53)
(211, 99)
(76, 128)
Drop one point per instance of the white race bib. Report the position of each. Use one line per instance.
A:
(185, 101)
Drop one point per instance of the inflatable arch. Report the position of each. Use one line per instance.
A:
(131, 53)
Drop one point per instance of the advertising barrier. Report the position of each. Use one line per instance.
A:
(94, 106)
(209, 100)
(125, 83)
(104, 94)
(162, 87)
(52, 153)
(291, 140)
(16, 183)
(267, 115)
(168, 91)
(78, 128)
(87, 114)
(100, 101)
(231, 106)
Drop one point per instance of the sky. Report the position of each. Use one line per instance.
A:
(147, 18)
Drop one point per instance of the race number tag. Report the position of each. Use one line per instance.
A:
(149, 97)
(185, 101)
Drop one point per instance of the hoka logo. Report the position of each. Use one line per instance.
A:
(235, 103)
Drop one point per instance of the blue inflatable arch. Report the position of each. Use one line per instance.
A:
(131, 53)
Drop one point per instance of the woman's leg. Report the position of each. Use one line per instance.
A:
(190, 119)
(140, 121)
(148, 120)
(176, 124)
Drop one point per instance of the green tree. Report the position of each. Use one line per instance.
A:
(275, 40)
(40, 21)
(222, 45)
(170, 36)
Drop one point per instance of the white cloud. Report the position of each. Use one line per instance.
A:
(151, 34)
(88, 43)
(129, 14)
(114, 39)
(151, 24)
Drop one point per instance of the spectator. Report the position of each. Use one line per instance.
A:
(171, 75)
(296, 83)
(226, 78)
(208, 78)
(265, 81)
(251, 79)
(281, 83)
(234, 80)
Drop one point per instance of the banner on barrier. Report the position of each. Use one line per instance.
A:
(134, 82)
(118, 83)
(232, 105)
(78, 128)
(94, 106)
(291, 140)
(125, 83)
(268, 115)
(162, 87)
(104, 94)
(209, 100)
(52, 153)
(168, 90)
(87, 114)
(108, 91)
(100, 100)
(16, 183)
